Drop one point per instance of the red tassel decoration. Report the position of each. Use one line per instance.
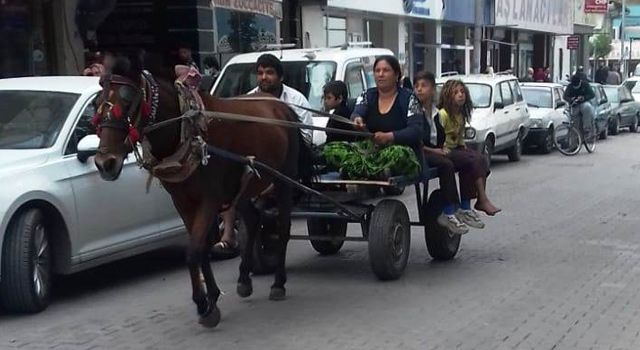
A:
(95, 120)
(116, 112)
(146, 110)
(134, 136)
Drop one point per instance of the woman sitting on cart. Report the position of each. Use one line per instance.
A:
(390, 112)
(455, 220)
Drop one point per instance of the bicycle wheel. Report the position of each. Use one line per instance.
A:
(567, 139)
(589, 137)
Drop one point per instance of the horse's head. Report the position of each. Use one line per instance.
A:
(124, 108)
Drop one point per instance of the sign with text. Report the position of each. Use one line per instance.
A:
(551, 16)
(269, 8)
(573, 42)
(596, 6)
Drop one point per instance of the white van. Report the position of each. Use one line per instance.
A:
(306, 70)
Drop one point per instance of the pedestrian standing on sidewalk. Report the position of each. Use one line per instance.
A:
(455, 111)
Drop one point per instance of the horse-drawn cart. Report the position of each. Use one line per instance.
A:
(386, 225)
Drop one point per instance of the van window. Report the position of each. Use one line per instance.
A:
(308, 77)
(515, 89)
(505, 90)
(353, 79)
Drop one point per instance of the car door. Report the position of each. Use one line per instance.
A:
(521, 113)
(119, 215)
(605, 105)
(626, 108)
(505, 116)
(559, 116)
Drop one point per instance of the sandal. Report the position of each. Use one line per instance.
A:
(224, 250)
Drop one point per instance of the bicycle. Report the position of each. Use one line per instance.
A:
(570, 136)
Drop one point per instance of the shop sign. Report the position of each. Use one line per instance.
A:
(269, 8)
(431, 9)
(573, 42)
(551, 16)
(596, 6)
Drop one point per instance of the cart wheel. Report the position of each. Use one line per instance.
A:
(265, 259)
(441, 244)
(327, 227)
(389, 239)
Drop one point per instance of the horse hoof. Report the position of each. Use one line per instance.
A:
(211, 319)
(244, 289)
(277, 294)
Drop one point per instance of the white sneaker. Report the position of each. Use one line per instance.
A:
(470, 218)
(451, 223)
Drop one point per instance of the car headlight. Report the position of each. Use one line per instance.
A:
(469, 133)
(536, 123)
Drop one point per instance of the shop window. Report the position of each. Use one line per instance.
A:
(336, 28)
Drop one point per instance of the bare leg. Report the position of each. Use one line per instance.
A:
(483, 203)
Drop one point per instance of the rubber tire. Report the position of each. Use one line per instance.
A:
(327, 227)
(604, 134)
(440, 244)
(634, 126)
(615, 127)
(515, 152)
(393, 190)
(546, 146)
(388, 215)
(487, 151)
(264, 260)
(17, 289)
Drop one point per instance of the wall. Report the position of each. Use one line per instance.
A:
(313, 32)
(561, 65)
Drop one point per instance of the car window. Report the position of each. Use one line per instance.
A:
(33, 119)
(538, 97)
(505, 90)
(480, 94)
(630, 84)
(308, 77)
(613, 94)
(603, 94)
(557, 95)
(515, 89)
(353, 79)
(83, 127)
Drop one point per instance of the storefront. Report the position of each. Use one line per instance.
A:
(526, 31)
(409, 28)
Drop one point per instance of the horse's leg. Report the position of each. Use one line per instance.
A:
(198, 260)
(250, 218)
(284, 193)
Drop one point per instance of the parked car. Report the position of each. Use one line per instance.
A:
(306, 70)
(625, 110)
(603, 110)
(546, 110)
(51, 192)
(500, 119)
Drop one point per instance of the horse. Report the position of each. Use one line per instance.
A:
(138, 94)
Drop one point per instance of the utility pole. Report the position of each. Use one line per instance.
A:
(623, 65)
(477, 37)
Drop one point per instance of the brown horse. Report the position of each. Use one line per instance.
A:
(202, 195)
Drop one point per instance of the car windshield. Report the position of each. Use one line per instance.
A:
(32, 119)
(304, 76)
(612, 94)
(480, 94)
(537, 97)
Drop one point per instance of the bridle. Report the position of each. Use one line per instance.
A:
(143, 101)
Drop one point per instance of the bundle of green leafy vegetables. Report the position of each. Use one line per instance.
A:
(365, 160)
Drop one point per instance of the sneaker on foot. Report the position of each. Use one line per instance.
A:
(470, 218)
(451, 223)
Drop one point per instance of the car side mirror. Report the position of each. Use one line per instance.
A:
(498, 105)
(560, 104)
(87, 147)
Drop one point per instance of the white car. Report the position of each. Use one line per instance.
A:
(547, 111)
(306, 70)
(500, 119)
(632, 84)
(56, 214)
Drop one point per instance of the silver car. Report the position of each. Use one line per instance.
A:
(50, 192)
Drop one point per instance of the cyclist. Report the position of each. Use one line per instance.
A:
(578, 93)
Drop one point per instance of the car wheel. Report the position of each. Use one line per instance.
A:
(615, 125)
(634, 124)
(26, 264)
(487, 151)
(515, 153)
(547, 144)
(604, 133)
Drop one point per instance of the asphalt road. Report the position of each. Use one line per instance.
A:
(557, 269)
